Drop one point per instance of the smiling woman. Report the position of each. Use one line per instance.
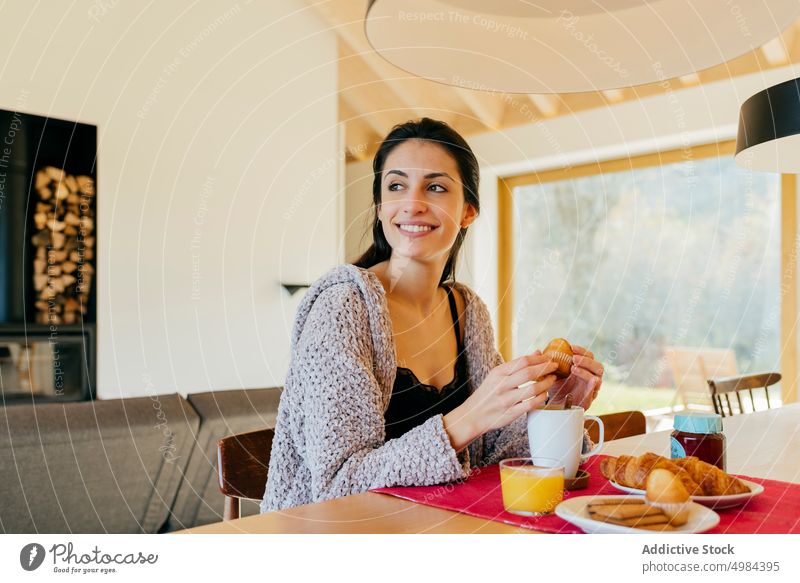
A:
(394, 377)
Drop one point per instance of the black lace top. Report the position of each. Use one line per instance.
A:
(412, 402)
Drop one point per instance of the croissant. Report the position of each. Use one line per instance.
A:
(712, 480)
(633, 471)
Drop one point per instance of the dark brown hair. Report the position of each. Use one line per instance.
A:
(439, 133)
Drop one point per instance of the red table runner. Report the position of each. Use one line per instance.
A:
(775, 511)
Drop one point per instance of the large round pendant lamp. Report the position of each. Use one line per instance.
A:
(769, 130)
(563, 46)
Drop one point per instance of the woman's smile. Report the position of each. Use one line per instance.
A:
(415, 229)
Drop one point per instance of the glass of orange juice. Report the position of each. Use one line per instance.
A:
(531, 486)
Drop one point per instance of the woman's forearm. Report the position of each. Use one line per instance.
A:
(460, 428)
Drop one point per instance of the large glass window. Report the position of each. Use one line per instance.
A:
(647, 266)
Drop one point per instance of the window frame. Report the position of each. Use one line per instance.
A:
(788, 242)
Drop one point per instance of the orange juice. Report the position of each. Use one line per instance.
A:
(525, 492)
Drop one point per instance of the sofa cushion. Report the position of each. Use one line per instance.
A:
(222, 413)
(96, 466)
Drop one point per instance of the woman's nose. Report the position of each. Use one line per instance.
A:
(415, 201)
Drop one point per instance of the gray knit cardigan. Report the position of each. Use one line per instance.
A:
(330, 438)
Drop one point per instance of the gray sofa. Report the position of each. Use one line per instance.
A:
(138, 465)
(222, 413)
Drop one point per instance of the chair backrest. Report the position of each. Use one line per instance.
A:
(722, 387)
(618, 425)
(243, 464)
(692, 367)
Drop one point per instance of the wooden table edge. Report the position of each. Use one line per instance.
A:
(365, 513)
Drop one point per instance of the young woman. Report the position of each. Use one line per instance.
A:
(394, 376)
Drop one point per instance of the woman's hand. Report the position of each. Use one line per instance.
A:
(583, 382)
(500, 399)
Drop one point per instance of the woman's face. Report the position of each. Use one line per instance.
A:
(422, 201)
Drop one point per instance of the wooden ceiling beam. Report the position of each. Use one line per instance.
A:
(689, 79)
(360, 103)
(487, 107)
(421, 96)
(369, 96)
(361, 139)
(349, 26)
(614, 95)
(548, 105)
(776, 52)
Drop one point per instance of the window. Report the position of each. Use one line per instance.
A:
(640, 261)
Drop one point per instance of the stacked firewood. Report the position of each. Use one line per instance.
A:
(64, 245)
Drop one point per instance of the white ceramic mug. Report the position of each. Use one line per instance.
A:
(558, 434)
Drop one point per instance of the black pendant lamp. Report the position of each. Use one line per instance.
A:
(769, 130)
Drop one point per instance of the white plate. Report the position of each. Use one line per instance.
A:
(728, 501)
(574, 510)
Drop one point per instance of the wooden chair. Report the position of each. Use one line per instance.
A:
(618, 425)
(724, 386)
(243, 462)
(691, 367)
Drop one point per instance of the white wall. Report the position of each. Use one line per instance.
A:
(675, 119)
(217, 174)
(358, 208)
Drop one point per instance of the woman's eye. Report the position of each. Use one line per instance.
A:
(434, 187)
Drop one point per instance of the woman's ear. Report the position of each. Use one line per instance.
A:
(470, 214)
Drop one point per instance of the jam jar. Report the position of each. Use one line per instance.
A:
(699, 435)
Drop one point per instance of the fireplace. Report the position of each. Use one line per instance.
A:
(48, 247)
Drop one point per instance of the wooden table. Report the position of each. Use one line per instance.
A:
(764, 444)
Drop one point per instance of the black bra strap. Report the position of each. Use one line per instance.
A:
(456, 319)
